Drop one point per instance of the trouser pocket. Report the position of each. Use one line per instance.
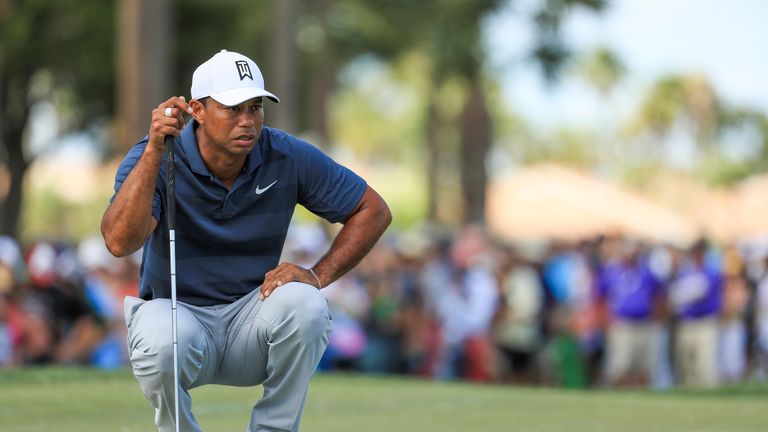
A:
(130, 306)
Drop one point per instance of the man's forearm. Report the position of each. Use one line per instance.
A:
(355, 240)
(128, 220)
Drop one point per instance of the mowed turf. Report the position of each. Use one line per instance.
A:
(85, 400)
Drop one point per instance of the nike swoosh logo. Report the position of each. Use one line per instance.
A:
(260, 191)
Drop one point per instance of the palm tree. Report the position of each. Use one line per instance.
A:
(692, 104)
(603, 70)
(461, 54)
(689, 101)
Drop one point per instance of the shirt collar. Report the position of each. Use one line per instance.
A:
(196, 163)
(254, 158)
(189, 144)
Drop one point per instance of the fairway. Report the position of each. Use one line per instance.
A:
(84, 400)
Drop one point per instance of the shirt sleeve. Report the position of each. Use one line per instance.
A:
(327, 188)
(125, 168)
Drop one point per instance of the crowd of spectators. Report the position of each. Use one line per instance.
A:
(63, 304)
(603, 312)
(608, 311)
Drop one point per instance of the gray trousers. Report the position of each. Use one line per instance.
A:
(277, 342)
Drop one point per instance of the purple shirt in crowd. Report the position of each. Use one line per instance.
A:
(696, 292)
(630, 290)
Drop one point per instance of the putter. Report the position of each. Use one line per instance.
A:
(172, 239)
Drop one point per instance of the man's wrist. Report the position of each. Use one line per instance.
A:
(153, 152)
(319, 284)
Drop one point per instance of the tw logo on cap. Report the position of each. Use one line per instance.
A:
(243, 69)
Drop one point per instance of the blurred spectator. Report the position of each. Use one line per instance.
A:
(733, 333)
(588, 312)
(348, 300)
(696, 296)
(11, 270)
(633, 296)
(761, 327)
(383, 278)
(350, 306)
(572, 316)
(660, 264)
(463, 291)
(517, 330)
(6, 344)
(563, 358)
(104, 290)
(60, 326)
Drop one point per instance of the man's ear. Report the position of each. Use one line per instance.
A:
(198, 110)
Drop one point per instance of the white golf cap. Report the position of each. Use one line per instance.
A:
(229, 78)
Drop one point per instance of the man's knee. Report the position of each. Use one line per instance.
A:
(305, 305)
(151, 339)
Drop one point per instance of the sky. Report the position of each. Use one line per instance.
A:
(723, 40)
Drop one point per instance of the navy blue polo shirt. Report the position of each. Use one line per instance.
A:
(226, 240)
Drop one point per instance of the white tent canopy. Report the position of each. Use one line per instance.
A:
(554, 202)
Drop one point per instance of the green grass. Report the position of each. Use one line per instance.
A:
(85, 400)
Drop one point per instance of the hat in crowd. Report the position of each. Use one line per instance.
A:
(229, 78)
(93, 255)
(309, 239)
(10, 253)
(10, 258)
(41, 264)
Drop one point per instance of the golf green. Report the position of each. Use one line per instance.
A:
(85, 400)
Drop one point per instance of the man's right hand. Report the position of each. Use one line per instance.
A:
(163, 125)
(128, 221)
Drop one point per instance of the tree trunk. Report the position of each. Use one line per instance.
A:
(322, 81)
(475, 144)
(143, 71)
(17, 167)
(322, 85)
(283, 65)
(13, 121)
(433, 153)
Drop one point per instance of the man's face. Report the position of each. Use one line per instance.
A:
(232, 129)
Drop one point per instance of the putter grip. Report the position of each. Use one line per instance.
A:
(171, 208)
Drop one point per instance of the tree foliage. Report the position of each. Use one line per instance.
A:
(550, 52)
(603, 69)
(72, 44)
(692, 104)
